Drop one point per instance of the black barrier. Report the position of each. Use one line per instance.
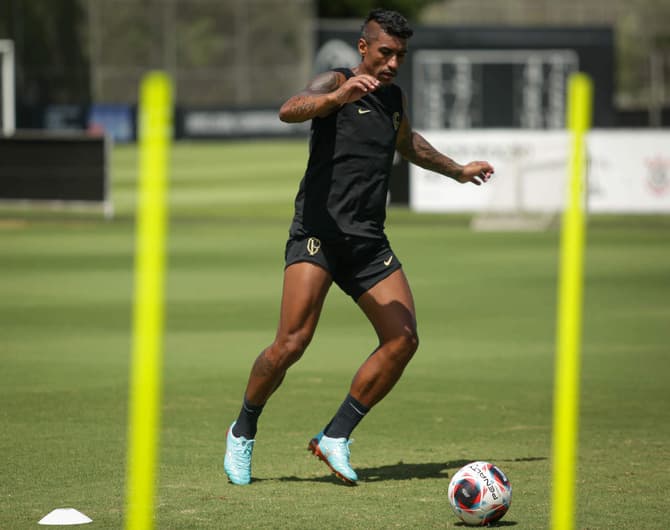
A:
(38, 167)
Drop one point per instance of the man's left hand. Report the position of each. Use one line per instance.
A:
(477, 172)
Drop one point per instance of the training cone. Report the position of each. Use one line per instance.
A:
(65, 517)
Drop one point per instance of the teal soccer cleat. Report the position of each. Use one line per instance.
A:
(335, 453)
(237, 461)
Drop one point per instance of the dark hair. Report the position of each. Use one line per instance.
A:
(391, 22)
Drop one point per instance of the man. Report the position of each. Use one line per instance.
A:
(337, 235)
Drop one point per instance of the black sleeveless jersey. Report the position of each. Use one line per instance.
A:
(343, 191)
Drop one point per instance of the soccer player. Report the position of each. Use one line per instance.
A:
(359, 119)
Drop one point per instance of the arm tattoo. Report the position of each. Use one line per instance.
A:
(303, 104)
(420, 152)
(310, 102)
(324, 83)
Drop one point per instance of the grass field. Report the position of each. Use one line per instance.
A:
(480, 386)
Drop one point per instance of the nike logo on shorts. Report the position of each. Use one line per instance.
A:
(364, 111)
(388, 261)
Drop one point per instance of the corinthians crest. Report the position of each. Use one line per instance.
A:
(313, 245)
(658, 174)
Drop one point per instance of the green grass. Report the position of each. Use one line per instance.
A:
(480, 386)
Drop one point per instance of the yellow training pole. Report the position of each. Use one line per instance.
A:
(569, 318)
(155, 130)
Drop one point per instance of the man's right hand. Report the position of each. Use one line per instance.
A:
(355, 88)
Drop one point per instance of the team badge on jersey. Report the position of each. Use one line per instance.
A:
(396, 120)
(313, 245)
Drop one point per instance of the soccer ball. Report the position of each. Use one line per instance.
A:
(479, 493)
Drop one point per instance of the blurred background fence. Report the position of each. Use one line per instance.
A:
(226, 53)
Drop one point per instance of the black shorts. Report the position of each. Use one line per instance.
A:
(356, 264)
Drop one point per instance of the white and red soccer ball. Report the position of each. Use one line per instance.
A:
(479, 493)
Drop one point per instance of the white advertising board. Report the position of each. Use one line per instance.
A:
(629, 171)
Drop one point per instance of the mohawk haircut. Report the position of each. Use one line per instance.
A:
(392, 22)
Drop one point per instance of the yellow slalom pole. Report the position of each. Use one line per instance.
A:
(569, 317)
(155, 130)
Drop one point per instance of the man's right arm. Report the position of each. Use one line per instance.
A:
(324, 94)
(317, 100)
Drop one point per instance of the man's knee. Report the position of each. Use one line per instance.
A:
(410, 342)
(402, 348)
(287, 350)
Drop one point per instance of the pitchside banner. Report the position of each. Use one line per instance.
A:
(629, 172)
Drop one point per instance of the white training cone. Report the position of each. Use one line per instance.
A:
(64, 517)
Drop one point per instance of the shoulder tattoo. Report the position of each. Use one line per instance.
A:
(325, 83)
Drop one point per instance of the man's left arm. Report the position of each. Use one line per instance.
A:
(417, 150)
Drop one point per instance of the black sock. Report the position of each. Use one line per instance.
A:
(350, 413)
(247, 422)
